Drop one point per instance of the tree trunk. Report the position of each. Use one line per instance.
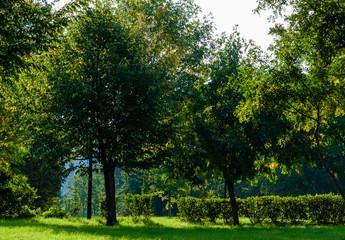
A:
(109, 182)
(230, 185)
(225, 190)
(89, 191)
(169, 204)
(324, 163)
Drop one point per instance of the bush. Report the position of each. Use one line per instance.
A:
(320, 209)
(16, 196)
(55, 212)
(26, 212)
(226, 210)
(72, 207)
(326, 209)
(212, 209)
(254, 208)
(138, 205)
(190, 209)
(103, 205)
(294, 209)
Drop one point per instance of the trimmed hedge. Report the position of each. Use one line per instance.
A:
(320, 209)
(138, 205)
(200, 209)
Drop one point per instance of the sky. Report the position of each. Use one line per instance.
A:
(228, 13)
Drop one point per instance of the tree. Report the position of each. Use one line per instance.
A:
(110, 80)
(45, 144)
(306, 80)
(79, 192)
(27, 30)
(227, 145)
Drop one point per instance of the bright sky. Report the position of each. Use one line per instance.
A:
(228, 13)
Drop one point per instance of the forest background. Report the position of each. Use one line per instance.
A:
(145, 93)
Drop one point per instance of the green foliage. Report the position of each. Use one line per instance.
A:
(71, 207)
(326, 209)
(16, 196)
(205, 209)
(138, 206)
(305, 80)
(213, 209)
(190, 209)
(103, 205)
(256, 209)
(55, 212)
(27, 28)
(78, 190)
(318, 209)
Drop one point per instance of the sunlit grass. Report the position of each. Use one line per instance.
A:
(158, 228)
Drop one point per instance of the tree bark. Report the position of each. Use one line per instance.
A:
(225, 190)
(234, 206)
(109, 182)
(169, 204)
(324, 163)
(89, 191)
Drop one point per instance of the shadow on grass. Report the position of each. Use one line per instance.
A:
(144, 230)
(153, 230)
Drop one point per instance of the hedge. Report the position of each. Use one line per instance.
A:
(320, 209)
(138, 205)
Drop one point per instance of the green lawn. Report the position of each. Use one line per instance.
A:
(158, 228)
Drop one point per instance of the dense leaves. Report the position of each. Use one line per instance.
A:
(320, 209)
(305, 80)
(27, 28)
(16, 196)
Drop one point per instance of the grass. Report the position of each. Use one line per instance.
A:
(158, 228)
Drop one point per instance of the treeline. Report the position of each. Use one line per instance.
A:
(157, 184)
(143, 85)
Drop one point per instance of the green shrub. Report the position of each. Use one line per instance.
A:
(55, 212)
(320, 209)
(294, 209)
(226, 210)
(271, 208)
(254, 209)
(16, 196)
(190, 209)
(26, 212)
(138, 205)
(103, 205)
(72, 207)
(326, 209)
(212, 209)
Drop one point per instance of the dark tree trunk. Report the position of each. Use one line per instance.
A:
(225, 190)
(109, 182)
(169, 204)
(323, 161)
(89, 191)
(230, 185)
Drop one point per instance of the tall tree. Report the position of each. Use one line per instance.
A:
(27, 30)
(110, 81)
(306, 80)
(227, 145)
